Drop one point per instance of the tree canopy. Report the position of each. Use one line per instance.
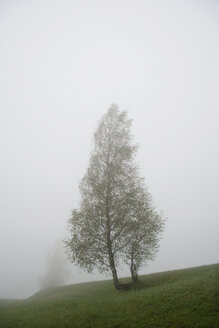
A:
(115, 220)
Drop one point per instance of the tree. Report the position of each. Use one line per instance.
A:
(101, 230)
(57, 271)
(147, 225)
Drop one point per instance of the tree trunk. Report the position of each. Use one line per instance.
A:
(112, 262)
(114, 272)
(109, 242)
(134, 273)
(133, 268)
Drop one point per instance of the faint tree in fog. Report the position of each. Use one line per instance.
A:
(114, 203)
(56, 270)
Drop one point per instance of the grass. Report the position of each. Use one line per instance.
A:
(178, 299)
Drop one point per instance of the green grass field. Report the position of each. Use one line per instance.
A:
(183, 298)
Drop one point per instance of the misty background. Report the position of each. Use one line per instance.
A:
(62, 64)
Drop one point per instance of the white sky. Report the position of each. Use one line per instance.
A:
(62, 64)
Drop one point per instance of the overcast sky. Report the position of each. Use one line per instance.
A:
(62, 64)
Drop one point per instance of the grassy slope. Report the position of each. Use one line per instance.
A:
(183, 298)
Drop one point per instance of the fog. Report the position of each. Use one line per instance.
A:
(62, 64)
(56, 272)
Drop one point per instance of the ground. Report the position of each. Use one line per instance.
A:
(178, 299)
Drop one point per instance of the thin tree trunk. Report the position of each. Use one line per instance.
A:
(134, 273)
(133, 269)
(111, 256)
(113, 269)
(109, 242)
(110, 252)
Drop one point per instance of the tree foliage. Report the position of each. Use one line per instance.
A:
(147, 225)
(115, 219)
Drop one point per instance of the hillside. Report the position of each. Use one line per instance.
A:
(183, 298)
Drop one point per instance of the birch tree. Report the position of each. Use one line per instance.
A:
(147, 226)
(101, 229)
